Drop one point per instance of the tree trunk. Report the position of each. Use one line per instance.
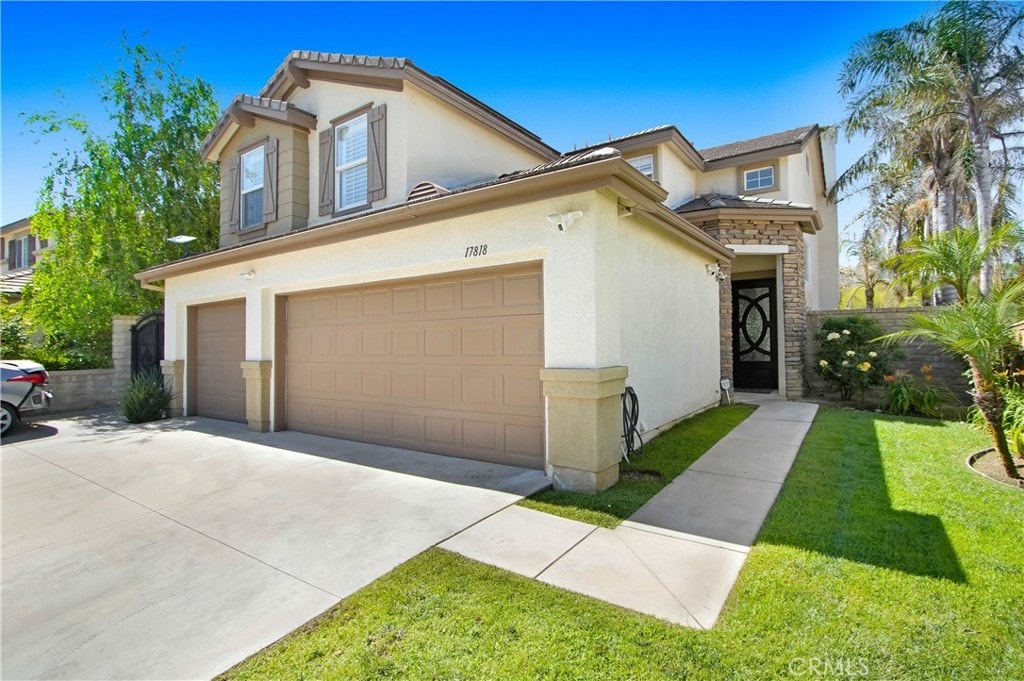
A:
(944, 223)
(982, 183)
(869, 297)
(991, 403)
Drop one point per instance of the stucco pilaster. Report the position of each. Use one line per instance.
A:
(173, 371)
(584, 415)
(257, 394)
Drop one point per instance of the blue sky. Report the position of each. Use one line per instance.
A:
(574, 73)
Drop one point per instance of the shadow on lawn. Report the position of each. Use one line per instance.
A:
(836, 502)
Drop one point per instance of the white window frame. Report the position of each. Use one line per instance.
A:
(759, 188)
(340, 168)
(22, 247)
(637, 161)
(261, 150)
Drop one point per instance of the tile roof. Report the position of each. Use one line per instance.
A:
(334, 58)
(273, 106)
(711, 201)
(778, 139)
(622, 138)
(15, 282)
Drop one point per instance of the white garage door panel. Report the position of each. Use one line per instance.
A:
(445, 365)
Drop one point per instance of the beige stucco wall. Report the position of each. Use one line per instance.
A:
(426, 140)
(599, 305)
(668, 309)
(675, 176)
(449, 148)
(828, 238)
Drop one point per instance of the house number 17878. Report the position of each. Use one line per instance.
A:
(473, 251)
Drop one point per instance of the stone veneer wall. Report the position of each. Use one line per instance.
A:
(83, 389)
(793, 294)
(946, 369)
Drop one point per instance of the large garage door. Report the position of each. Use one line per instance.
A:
(219, 351)
(448, 365)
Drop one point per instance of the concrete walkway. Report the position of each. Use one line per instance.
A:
(676, 558)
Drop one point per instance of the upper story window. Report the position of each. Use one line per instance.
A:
(19, 253)
(645, 164)
(252, 188)
(758, 179)
(351, 163)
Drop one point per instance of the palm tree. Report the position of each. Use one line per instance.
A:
(868, 273)
(976, 66)
(939, 91)
(953, 260)
(979, 329)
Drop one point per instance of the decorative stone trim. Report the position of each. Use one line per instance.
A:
(583, 426)
(257, 394)
(779, 234)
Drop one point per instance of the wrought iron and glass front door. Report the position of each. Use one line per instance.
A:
(754, 338)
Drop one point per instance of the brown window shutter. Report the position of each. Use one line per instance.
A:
(270, 181)
(232, 185)
(378, 153)
(31, 251)
(327, 171)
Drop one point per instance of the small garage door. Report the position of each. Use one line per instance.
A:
(447, 365)
(219, 352)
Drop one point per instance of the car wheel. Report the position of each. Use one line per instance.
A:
(8, 417)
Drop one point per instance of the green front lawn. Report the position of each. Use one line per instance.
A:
(884, 558)
(647, 473)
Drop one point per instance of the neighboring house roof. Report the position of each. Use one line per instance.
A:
(772, 142)
(13, 283)
(718, 206)
(388, 72)
(16, 226)
(415, 209)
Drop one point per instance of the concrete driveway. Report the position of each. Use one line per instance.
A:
(174, 550)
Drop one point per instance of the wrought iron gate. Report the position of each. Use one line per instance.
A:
(147, 342)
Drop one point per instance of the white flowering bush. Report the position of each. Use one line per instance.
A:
(847, 359)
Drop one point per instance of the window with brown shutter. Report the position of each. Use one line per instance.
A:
(353, 161)
(327, 172)
(270, 181)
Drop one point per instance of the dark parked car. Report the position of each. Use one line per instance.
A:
(22, 389)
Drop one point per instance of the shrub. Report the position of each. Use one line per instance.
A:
(848, 360)
(905, 395)
(147, 398)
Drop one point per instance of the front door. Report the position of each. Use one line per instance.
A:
(754, 337)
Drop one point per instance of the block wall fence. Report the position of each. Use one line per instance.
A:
(83, 389)
(946, 369)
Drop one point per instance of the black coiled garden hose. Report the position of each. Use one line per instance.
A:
(630, 417)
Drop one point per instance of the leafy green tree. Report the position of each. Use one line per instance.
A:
(979, 329)
(110, 201)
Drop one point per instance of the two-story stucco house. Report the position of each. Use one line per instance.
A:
(19, 249)
(401, 264)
